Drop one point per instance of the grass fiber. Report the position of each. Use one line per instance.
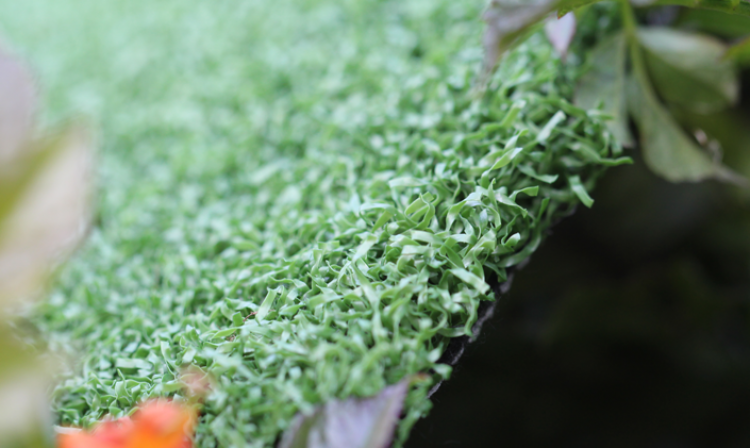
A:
(301, 197)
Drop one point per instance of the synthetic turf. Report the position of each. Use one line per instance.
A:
(302, 197)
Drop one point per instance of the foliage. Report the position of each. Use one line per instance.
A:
(657, 68)
(306, 216)
(44, 192)
(43, 189)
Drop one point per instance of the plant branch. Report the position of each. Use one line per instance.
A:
(636, 52)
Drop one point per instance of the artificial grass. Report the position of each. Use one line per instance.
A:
(303, 198)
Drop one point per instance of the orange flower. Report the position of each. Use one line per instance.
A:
(156, 424)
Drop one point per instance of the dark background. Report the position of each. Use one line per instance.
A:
(630, 327)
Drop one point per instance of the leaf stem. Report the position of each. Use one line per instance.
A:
(636, 52)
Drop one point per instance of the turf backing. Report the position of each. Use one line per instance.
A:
(301, 197)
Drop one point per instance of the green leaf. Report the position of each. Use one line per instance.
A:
(569, 6)
(604, 85)
(667, 150)
(730, 7)
(727, 128)
(351, 423)
(714, 22)
(689, 69)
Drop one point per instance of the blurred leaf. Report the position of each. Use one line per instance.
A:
(16, 108)
(508, 20)
(604, 84)
(728, 7)
(739, 52)
(667, 150)
(18, 175)
(729, 128)
(689, 69)
(50, 216)
(351, 423)
(25, 419)
(560, 32)
(714, 22)
(565, 7)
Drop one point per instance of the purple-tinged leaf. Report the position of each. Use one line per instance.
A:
(506, 21)
(17, 106)
(44, 216)
(351, 423)
(509, 20)
(560, 32)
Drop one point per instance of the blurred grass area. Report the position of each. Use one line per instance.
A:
(630, 327)
(189, 94)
